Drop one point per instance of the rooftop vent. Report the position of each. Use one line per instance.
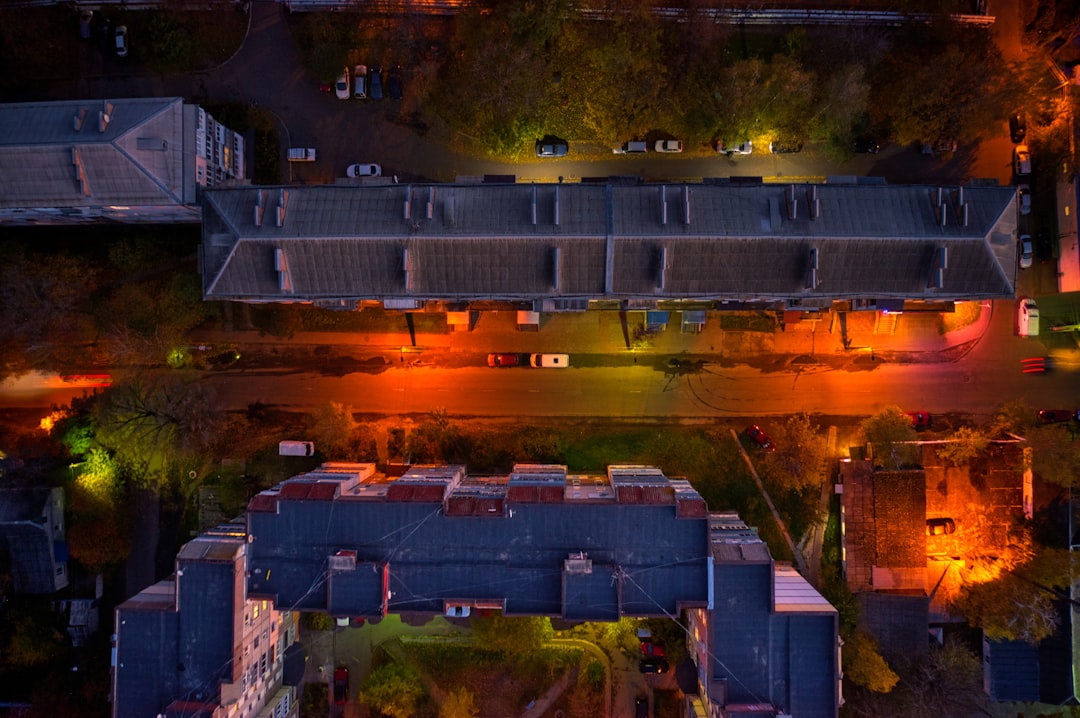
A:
(431, 203)
(260, 207)
(407, 212)
(578, 563)
(686, 205)
(937, 269)
(283, 203)
(80, 118)
(406, 266)
(152, 144)
(662, 269)
(663, 204)
(556, 205)
(555, 268)
(80, 172)
(284, 275)
(105, 116)
(792, 203)
(811, 280)
(812, 202)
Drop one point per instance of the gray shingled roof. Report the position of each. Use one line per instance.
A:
(523, 241)
(137, 160)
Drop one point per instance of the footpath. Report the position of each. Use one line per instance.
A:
(842, 340)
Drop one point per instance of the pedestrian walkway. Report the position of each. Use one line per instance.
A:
(843, 340)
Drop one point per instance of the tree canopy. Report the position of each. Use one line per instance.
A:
(511, 635)
(393, 689)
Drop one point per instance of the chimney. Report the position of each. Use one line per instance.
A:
(260, 207)
(283, 203)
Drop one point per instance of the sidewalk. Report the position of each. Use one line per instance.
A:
(839, 339)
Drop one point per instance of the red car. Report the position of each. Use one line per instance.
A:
(760, 437)
(919, 419)
(652, 649)
(1053, 416)
(341, 685)
(503, 360)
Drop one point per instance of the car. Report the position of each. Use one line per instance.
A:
(668, 146)
(458, 611)
(655, 650)
(503, 360)
(364, 170)
(940, 527)
(1017, 128)
(919, 419)
(760, 437)
(746, 147)
(549, 361)
(341, 84)
(359, 78)
(1056, 416)
(121, 41)
(86, 19)
(867, 146)
(641, 708)
(375, 82)
(1027, 253)
(785, 146)
(1027, 317)
(1021, 160)
(341, 685)
(393, 84)
(1023, 193)
(551, 146)
(1043, 246)
(653, 665)
(633, 147)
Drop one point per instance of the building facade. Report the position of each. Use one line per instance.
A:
(141, 160)
(345, 540)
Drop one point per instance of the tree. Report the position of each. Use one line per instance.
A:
(43, 308)
(148, 418)
(34, 637)
(800, 460)
(1018, 605)
(513, 636)
(332, 428)
(892, 436)
(966, 444)
(394, 690)
(1055, 454)
(864, 666)
(459, 703)
(947, 683)
(1014, 417)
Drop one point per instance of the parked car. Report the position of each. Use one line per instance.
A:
(668, 146)
(503, 360)
(551, 146)
(940, 527)
(633, 147)
(1021, 160)
(1027, 253)
(746, 147)
(1055, 416)
(785, 146)
(867, 146)
(359, 78)
(364, 170)
(375, 82)
(341, 685)
(760, 437)
(393, 83)
(1017, 128)
(1027, 317)
(1023, 194)
(919, 419)
(550, 361)
(341, 85)
(655, 650)
(86, 19)
(121, 41)
(653, 665)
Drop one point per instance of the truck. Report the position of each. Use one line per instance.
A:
(296, 448)
(301, 154)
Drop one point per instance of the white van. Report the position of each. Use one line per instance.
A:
(550, 361)
(296, 448)
(1027, 317)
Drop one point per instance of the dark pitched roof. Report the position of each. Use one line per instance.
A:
(1014, 670)
(900, 623)
(595, 241)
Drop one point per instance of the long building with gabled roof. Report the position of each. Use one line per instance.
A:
(801, 245)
